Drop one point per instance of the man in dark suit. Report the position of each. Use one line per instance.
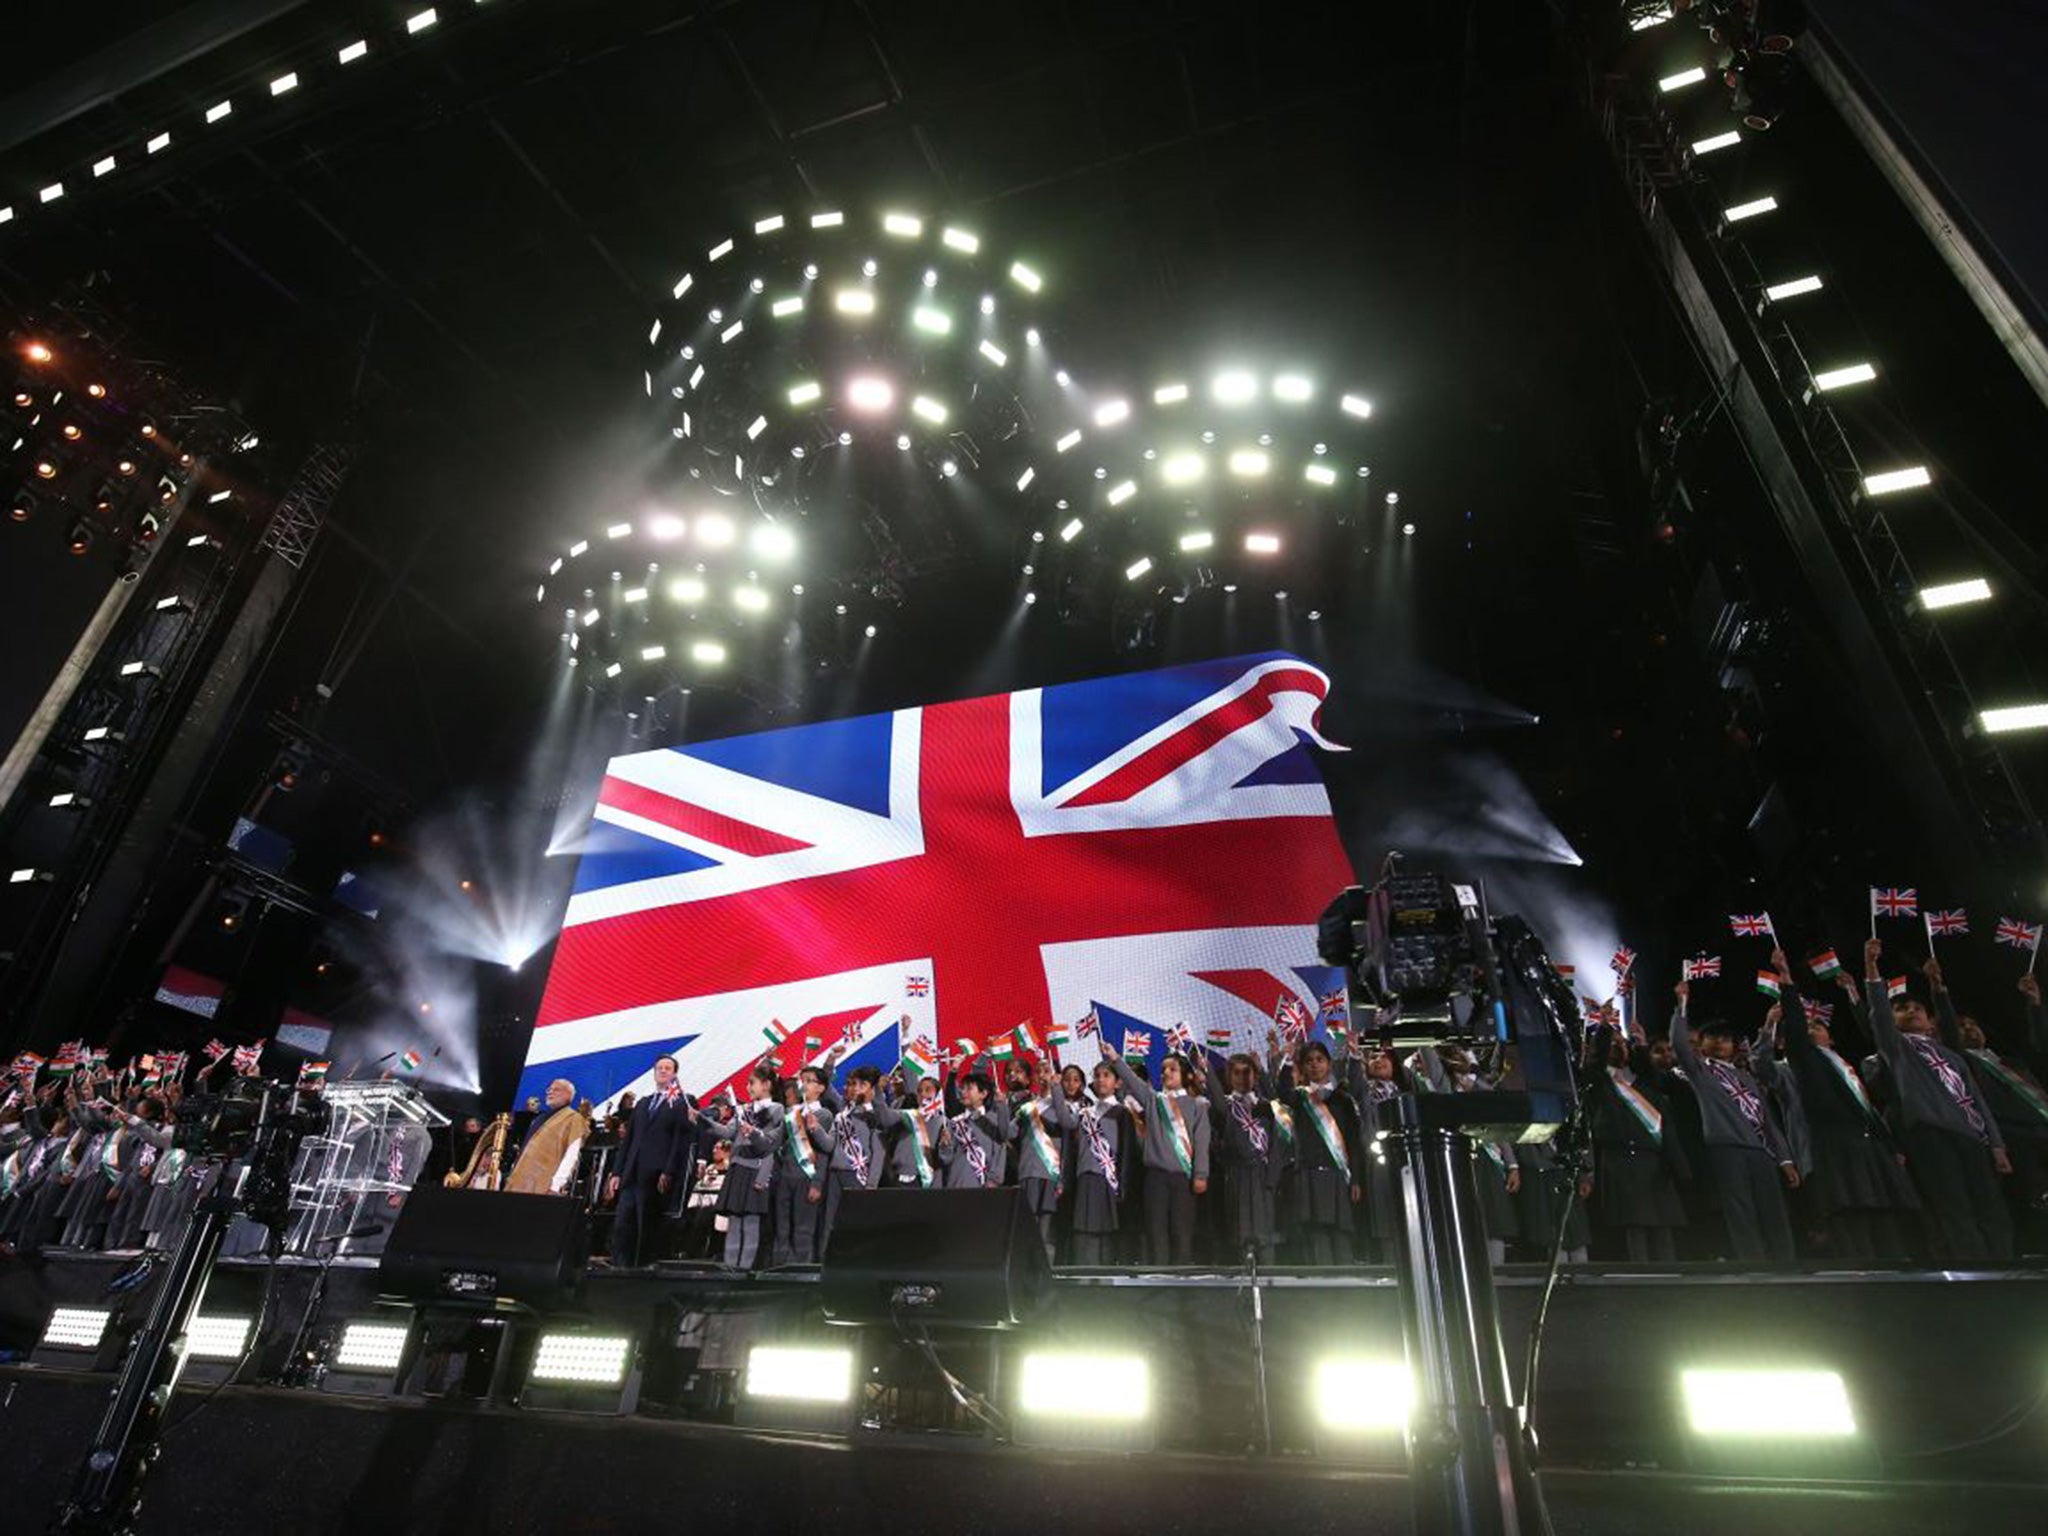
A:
(654, 1165)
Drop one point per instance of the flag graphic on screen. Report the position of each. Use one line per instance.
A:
(1160, 843)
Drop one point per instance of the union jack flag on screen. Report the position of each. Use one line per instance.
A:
(1159, 843)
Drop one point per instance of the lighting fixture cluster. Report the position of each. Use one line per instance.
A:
(1824, 383)
(333, 60)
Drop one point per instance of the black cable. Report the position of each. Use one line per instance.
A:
(1568, 1164)
(248, 1353)
(976, 1404)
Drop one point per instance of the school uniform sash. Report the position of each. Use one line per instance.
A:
(1748, 1103)
(10, 1173)
(1178, 1134)
(1951, 1081)
(1249, 1123)
(913, 1120)
(2028, 1091)
(1638, 1104)
(1098, 1144)
(977, 1154)
(1850, 1080)
(110, 1155)
(1041, 1141)
(798, 1136)
(1331, 1134)
(856, 1150)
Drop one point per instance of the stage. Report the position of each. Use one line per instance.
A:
(1944, 1373)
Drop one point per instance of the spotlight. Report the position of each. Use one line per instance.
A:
(1363, 1395)
(1892, 480)
(1262, 543)
(708, 652)
(1181, 468)
(1031, 337)
(1792, 288)
(686, 589)
(78, 538)
(903, 444)
(1234, 388)
(931, 277)
(1137, 568)
(750, 600)
(38, 353)
(792, 305)
(854, 301)
(771, 541)
(1842, 378)
(805, 393)
(1248, 462)
(1407, 530)
(1030, 597)
(2016, 717)
(1025, 278)
(994, 353)
(1682, 79)
(1954, 594)
(1726, 140)
(1293, 388)
(1199, 539)
(799, 1375)
(949, 468)
(1061, 377)
(1071, 531)
(929, 409)
(1115, 1412)
(1122, 492)
(871, 631)
(1767, 1403)
(715, 530)
(1110, 412)
(1750, 210)
(870, 394)
(1393, 498)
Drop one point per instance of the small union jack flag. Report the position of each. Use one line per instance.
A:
(1137, 1044)
(1293, 1018)
(1623, 962)
(1333, 1003)
(1753, 925)
(1702, 968)
(1180, 1038)
(1892, 901)
(1089, 1025)
(1948, 924)
(1625, 987)
(2019, 935)
(917, 986)
(215, 1049)
(1819, 1013)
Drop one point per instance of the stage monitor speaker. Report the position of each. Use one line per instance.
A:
(477, 1247)
(954, 1258)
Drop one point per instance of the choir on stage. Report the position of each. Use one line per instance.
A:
(1868, 1120)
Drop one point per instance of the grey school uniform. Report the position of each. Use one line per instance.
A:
(1098, 1129)
(1250, 1155)
(980, 1140)
(756, 1136)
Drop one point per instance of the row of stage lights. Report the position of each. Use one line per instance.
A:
(1360, 1403)
(271, 87)
(1824, 383)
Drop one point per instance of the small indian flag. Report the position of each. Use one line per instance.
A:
(1003, 1049)
(1826, 964)
(1059, 1037)
(1767, 983)
(814, 1043)
(775, 1031)
(1026, 1040)
(410, 1061)
(314, 1071)
(1219, 1039)
(918, 1059)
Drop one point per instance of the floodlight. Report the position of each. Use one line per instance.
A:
(772, 541)
(1649, 19)
(619, 531)
(710, 652)
(1064, 443)
(1234, 388)
(682, 286)
(138, 669)
(756, 427)
(633, 595)
(214, 114)
(827, 220)
(355, 50)
(1024, 480)
(100, 733)
(1181, 468)
(854, 301)
(1842, 378)
(1031, 336)
(172, 604)
(1763, 1404)
(1249, 462)
(961, 240)
(28, 876)
(1122, 492)
(6, 213)
(1169, 394)
(696, 378)
(715, 529)
(1955, 594)
(587, 1359)
(1355, 405)
(1682, 79)
(686, 589)
(285, 82)
(769, 225)
(1354, 1395)
(1025, 278)
(719, 251)
(949, 468)
(988, 303)
(1793, 288)
(1201, 538)
(1071, 531)
(799, 1375)
(217, 1338)
(1319, 474)
(906, 225)
(421, 21)
(1137, 567)
(793, 305)
(1292, 387)
(993, 353)
(934, 321)
(750, 600)
(1262, 543)
(867, 393)
(1887, 481)
(653, 652)
(1749, 210)
(1119, 1387)
(578, 548)
(66, 799)
(929, 409)
(1110, 412)
(1726, 140)
(370, 1347)
(102, 166)
(2016, 717)
(731, 331)
(76, 1327)
(654, 331)
(590, 617)
(161, 141)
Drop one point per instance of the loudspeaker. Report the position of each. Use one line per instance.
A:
(479, 1247)
(955, 1258)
